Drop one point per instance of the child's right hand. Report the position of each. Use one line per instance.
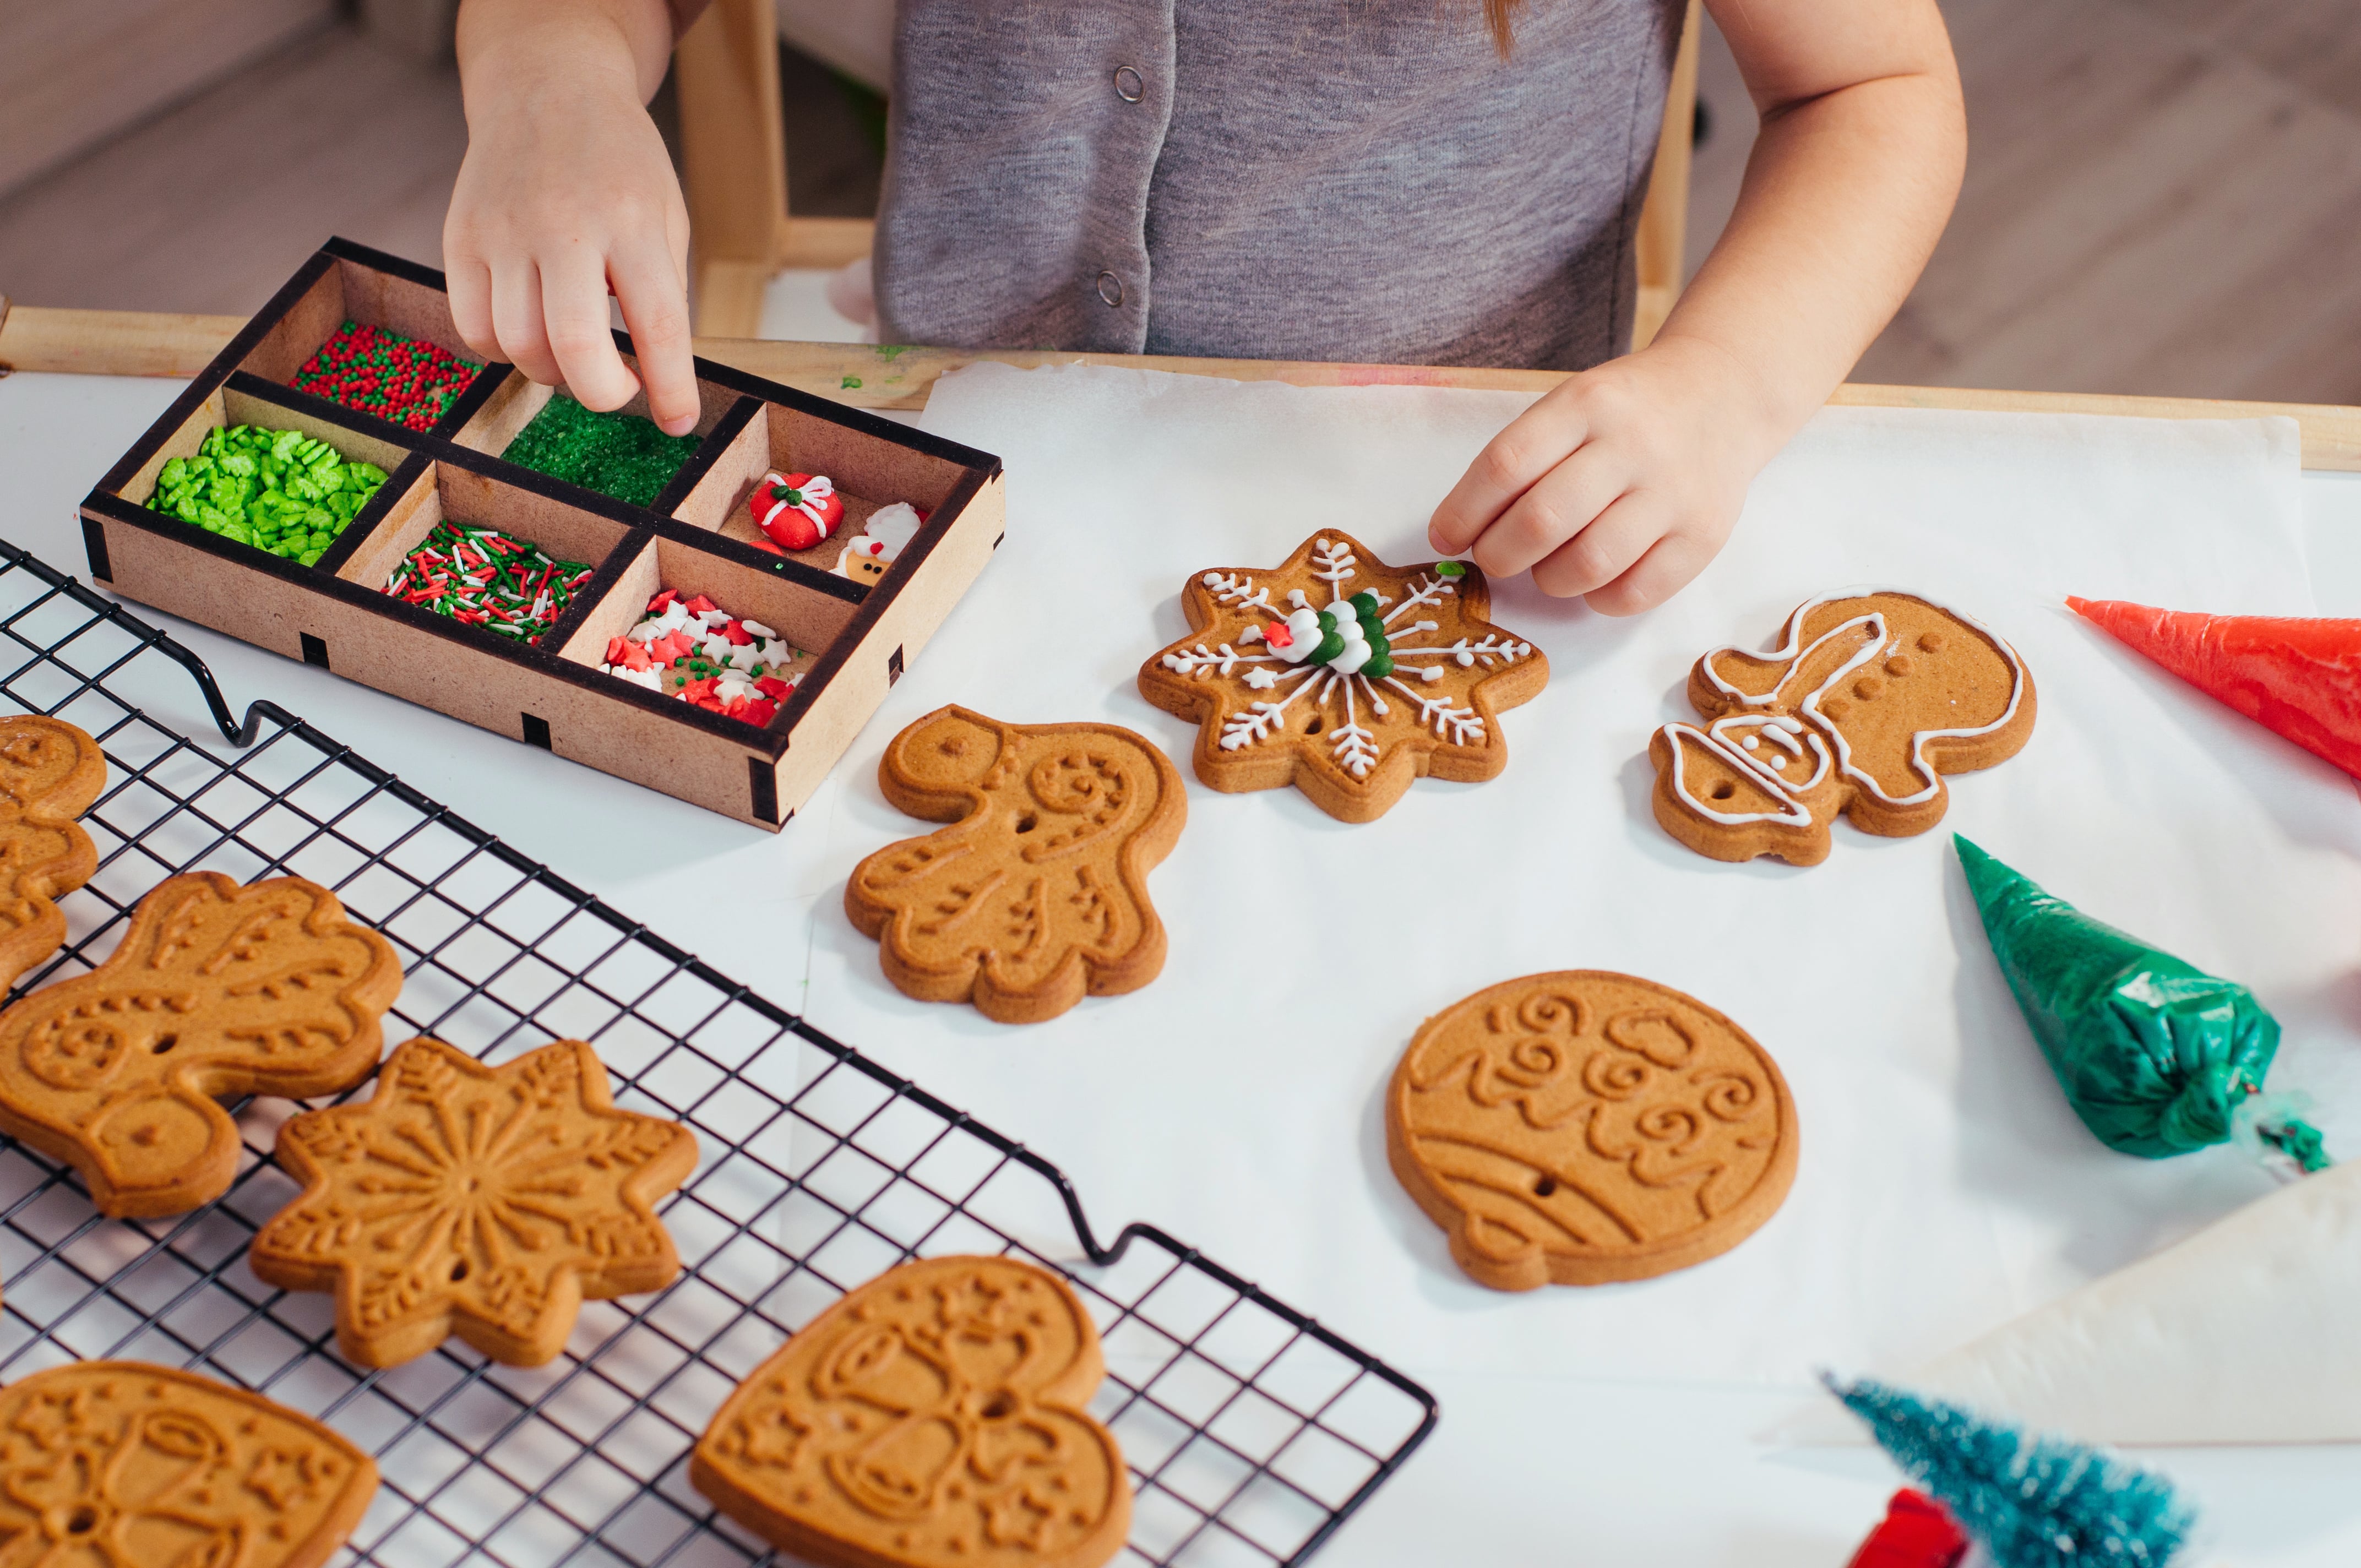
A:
(568, 193)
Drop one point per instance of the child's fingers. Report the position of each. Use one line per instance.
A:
(1533, 442)
(516, 321)
(1664, 571)
(655, 308)
(574, 307)
(470, 285)
(1605, 550)
(1556, 509)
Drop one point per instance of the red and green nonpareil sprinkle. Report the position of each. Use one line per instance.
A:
(486, 579)
(706, 657)
(409, 382)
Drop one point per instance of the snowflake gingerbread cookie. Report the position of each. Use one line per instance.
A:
(483, 1201)
(1344, 676)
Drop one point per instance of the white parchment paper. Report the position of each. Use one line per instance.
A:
(1944, 1184)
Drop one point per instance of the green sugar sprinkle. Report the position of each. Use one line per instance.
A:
(617, 455)
(277, 490)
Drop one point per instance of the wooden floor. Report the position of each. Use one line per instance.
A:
(2163, 195)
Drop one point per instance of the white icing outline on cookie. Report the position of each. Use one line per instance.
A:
(1794, 654)
(1797, 812)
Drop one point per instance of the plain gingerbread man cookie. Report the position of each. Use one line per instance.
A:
(215, 990)
(49, 775)
(1037, 895)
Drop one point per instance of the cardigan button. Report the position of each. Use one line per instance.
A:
(1110, 289)
(1129, 85)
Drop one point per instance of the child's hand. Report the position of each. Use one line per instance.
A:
(1621, 483)
(567, 191)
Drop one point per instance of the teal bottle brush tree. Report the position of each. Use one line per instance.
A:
(2156, 1056)
(2032, 1501)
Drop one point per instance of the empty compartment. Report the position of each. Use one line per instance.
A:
(868, 473)
(516, 405)
(511, 563)
(708, 658)
(400, 314)
(296, 496)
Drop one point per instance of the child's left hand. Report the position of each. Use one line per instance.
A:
(1621, 483)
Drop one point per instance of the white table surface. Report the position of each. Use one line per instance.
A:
(1489, 1486)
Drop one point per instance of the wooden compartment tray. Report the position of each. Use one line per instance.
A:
(852, 636)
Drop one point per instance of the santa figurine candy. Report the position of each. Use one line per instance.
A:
(889, 529)
(797, 512)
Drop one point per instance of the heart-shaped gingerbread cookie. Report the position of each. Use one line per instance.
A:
(932, 1418)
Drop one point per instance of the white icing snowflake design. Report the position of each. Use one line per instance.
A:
(1347, 660)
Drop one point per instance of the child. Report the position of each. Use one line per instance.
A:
(1436, 181)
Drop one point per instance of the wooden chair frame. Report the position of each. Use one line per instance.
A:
(734, 157)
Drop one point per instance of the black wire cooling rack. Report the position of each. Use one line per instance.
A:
(1251, 1432)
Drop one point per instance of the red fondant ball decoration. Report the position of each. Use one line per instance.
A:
(797, 510)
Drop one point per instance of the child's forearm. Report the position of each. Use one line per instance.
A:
(507, 46)
(1851, 180)
(1622, 482)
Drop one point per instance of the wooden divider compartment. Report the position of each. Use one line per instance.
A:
(443, 491)
(337, 286)
(810, 620)
(512, 406)
(852, 641)
(774, 438)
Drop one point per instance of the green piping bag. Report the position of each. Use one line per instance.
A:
(2154, 1056)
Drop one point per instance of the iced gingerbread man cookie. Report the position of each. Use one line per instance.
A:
(932, 1418)
(49, 775)
(215, 990)
(1344, 676)
(1037, 895)
(1867, 702)
(1585, 1127)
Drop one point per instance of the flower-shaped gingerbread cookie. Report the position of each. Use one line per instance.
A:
(1868, 701)
(932, 1418)
(1037, 895)
(50, 774)
(1587, 1126)
(1344, 676)
(109, 1463)
(215, 990)
(484, 1202)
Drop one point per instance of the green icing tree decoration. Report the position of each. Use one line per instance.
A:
(2154, 1054)
(2034, 1502)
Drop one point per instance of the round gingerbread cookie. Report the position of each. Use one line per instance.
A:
(1585, 1126)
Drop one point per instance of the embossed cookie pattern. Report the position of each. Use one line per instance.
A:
(49, 775)
(482, 1201)
(1037, 895)
(1866, 704)
(121, 1463)
(1587, 1127)
(1344, 676)
(215, 990)
(932, 1418)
